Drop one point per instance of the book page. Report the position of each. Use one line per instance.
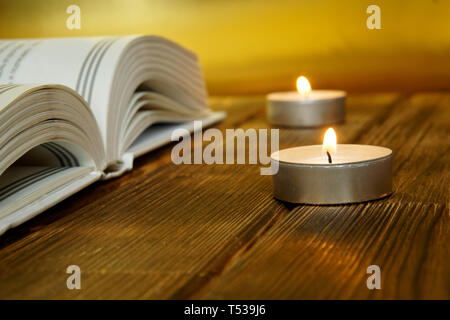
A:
(86, 65)
(46, 192)
(20, 186)
(39, 123)
(109, 72)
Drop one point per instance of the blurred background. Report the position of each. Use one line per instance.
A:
(258, 46)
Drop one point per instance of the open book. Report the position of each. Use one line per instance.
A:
(75, 110)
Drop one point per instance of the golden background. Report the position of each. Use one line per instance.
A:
(251, 46)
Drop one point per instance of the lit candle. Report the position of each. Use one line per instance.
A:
(306, 107)
(332, 173)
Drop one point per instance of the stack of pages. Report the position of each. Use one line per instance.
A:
(75, 110)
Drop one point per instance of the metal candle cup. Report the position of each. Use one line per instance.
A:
(358, 173)
(317, 108)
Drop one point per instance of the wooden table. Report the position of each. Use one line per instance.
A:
(215, 231)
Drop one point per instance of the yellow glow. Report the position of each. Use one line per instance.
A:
(329, 141)
(303, 86)
(334, 46)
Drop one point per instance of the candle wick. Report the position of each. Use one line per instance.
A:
(329, 157)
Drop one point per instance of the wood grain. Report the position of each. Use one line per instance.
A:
(215, 231)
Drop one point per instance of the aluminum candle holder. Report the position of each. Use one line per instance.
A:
(306, 107)
(358, 173)
(319, 108)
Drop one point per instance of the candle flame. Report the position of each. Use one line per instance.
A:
(329, 141)
(303, 86)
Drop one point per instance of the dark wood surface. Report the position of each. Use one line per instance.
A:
(215, 231)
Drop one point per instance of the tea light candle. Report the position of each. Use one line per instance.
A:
(331, 173)
(306, 107)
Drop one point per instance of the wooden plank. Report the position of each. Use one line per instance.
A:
(323, 252)
(93, 230)
(167, 231)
